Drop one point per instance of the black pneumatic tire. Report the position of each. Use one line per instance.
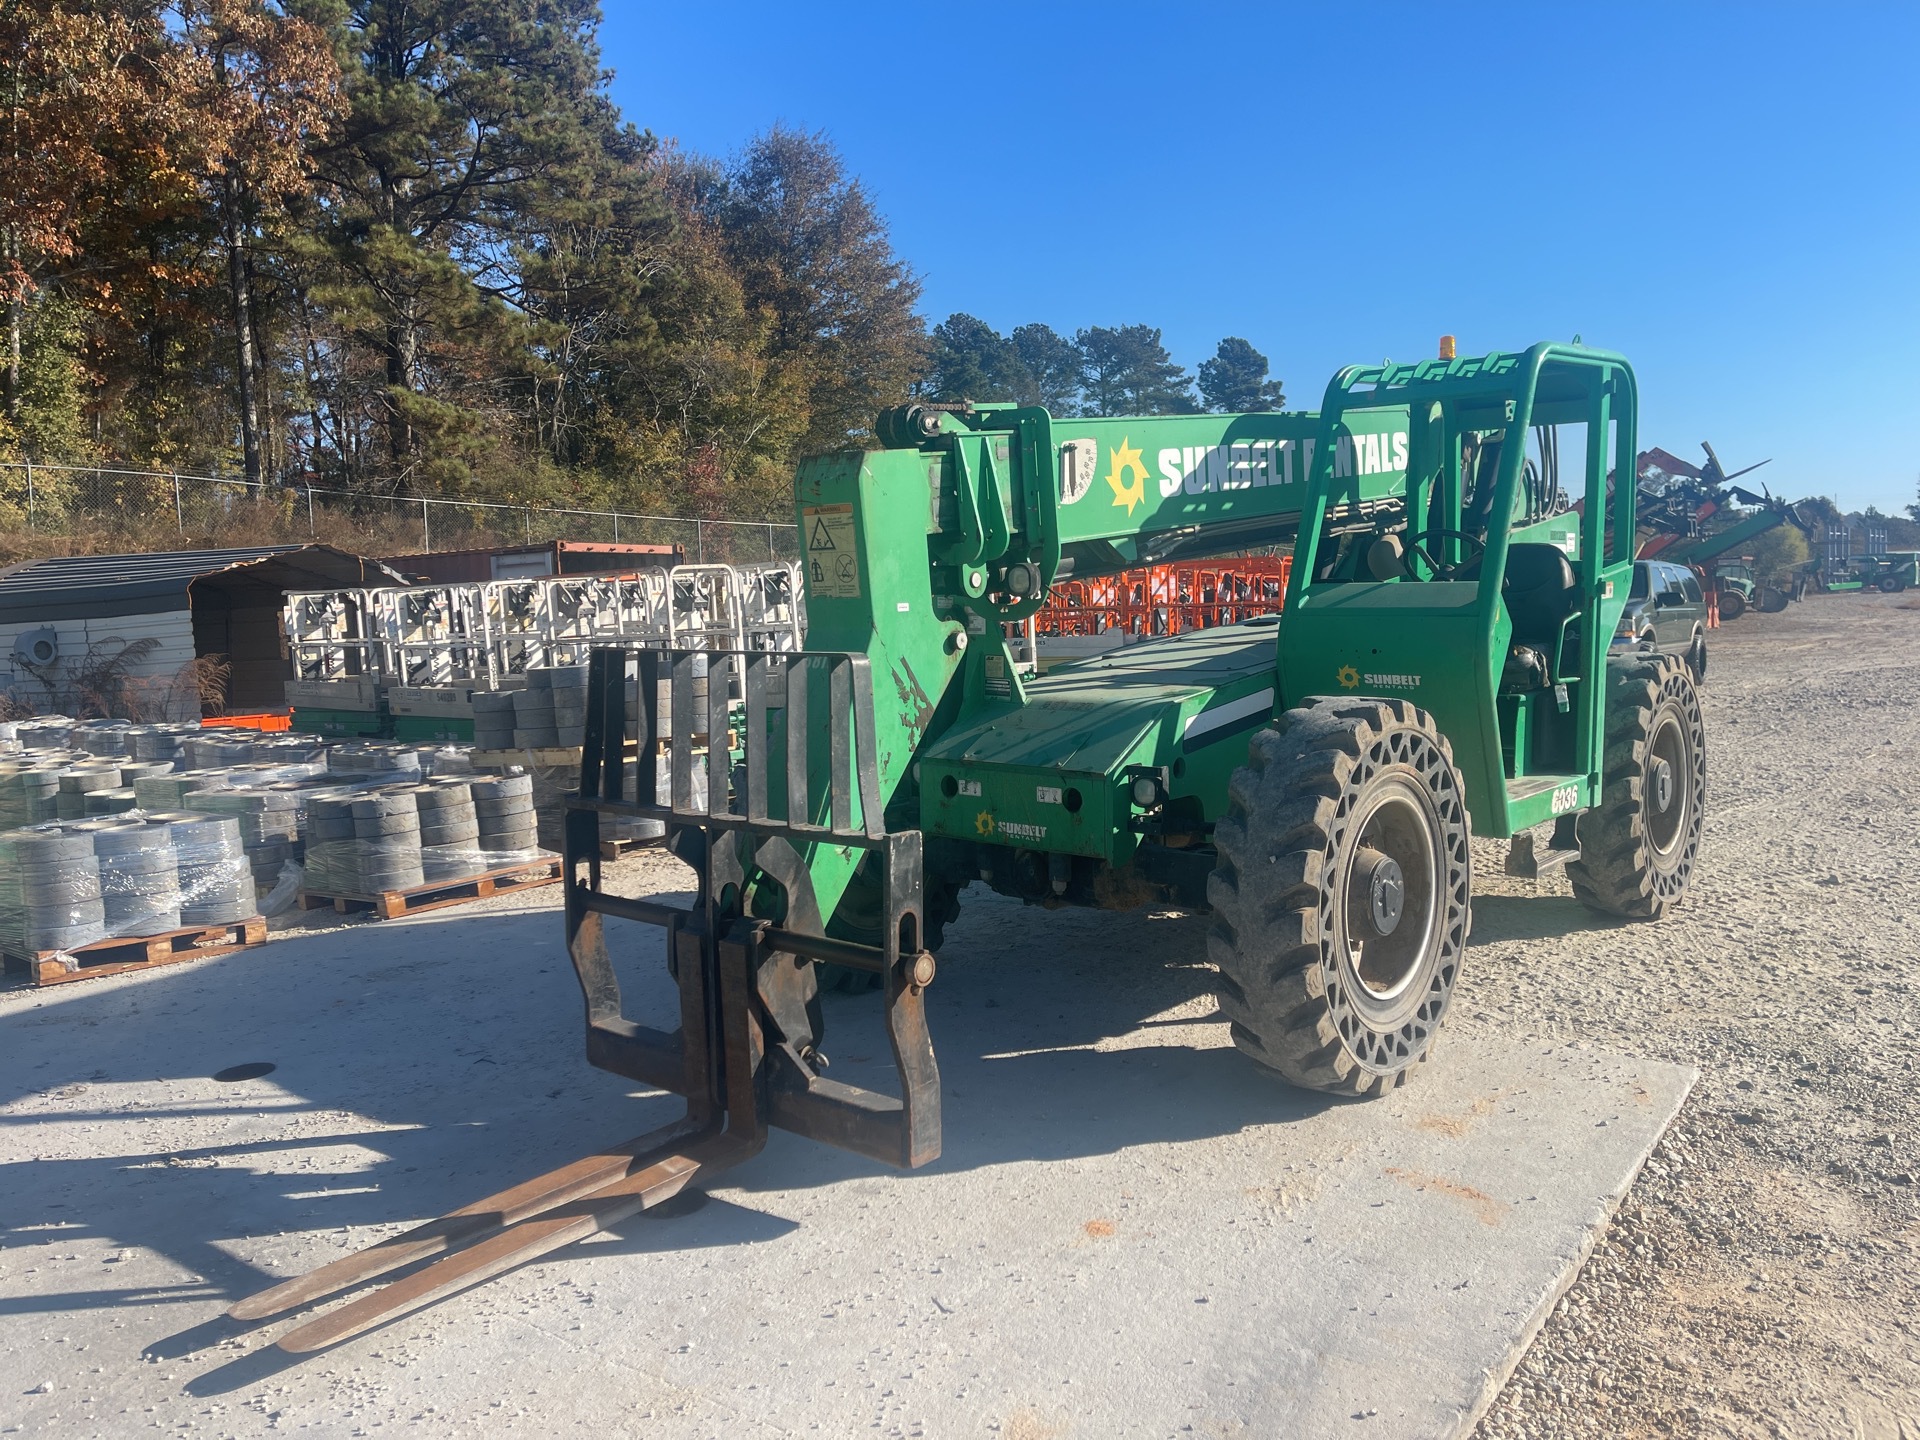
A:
(1732, 604)
(1891, 585)
(1639, 846)
(1295, 886)
(1697, 659)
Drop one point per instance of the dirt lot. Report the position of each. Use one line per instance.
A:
(1761, 1278)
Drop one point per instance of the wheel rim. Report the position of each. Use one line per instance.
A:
(1391, 885)
(1668, 785)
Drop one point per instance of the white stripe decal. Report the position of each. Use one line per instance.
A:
(1206, 721)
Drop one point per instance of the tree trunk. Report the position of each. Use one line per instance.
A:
(16, 318)
(402, 346)
(16, 322)
(271, 456)
(241, 296)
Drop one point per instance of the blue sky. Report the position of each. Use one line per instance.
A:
(1727, 194)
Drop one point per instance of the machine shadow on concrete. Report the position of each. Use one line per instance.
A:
(420, 1065)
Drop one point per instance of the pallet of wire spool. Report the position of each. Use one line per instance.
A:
(138, 952)
(393, 904)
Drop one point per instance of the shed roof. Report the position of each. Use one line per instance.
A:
(71, 587)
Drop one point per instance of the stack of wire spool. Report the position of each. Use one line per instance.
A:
(493, 721)
(51, 898)
(29, 796)
(386, 836)
(79, 781)
(139, 877)
(269, 821)
(503, 810)
(216, 885)
(533, 719)
(170, 791)
(569, 686)
(449, 830)
(330, 867)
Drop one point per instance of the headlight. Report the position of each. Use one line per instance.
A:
(1625, 628)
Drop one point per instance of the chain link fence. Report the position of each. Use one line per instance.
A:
(147, 505)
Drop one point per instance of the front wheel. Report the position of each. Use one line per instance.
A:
(1891, 585)
(1638, 847)
(1697, 659)
(1341, 895)
(1732, 604)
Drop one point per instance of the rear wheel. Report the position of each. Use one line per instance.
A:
(1341, 897)
(1638, 847)
(1891, 585)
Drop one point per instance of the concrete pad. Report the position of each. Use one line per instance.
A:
(1131, 1232)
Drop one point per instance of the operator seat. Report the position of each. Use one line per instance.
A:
(1540, 594)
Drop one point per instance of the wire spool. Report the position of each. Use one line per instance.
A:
(109, 802)
(329, 840)
(28, 797)
(386, 831)
(216, 885)
(449, 830)
(77, 782)
(60, 901)
(503, 808)
(139, 878)
(493, 720)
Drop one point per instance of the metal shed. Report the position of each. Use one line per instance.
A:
(123, 631)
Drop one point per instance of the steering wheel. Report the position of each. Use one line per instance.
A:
(1415, 544)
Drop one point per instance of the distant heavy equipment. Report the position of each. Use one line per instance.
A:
(1677, 505)
(1441, 669)
(1889, 574)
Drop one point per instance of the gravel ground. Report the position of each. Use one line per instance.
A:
(1761, 1277)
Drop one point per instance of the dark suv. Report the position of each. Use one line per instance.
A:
(1666, 611)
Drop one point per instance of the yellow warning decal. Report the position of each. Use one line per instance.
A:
(833, 561)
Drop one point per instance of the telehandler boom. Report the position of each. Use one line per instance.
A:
(1441, 670)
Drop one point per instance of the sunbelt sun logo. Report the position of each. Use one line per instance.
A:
(1131, 491)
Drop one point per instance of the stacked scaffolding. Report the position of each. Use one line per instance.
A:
(348, 645)
(1166, 599)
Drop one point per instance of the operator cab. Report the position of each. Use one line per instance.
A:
(1471, 594)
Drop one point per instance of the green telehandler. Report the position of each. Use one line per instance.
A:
(1441, 670)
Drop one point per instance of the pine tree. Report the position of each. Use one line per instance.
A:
(460, 117)
(1052, 367)
(1235, 380)
(973, 361)
(1127, 371)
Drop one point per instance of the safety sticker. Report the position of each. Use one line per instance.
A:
(833, 564)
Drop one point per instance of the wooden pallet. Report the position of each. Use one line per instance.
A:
(614, 849)
(392, 904)
(546, 758)
(138, 952)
